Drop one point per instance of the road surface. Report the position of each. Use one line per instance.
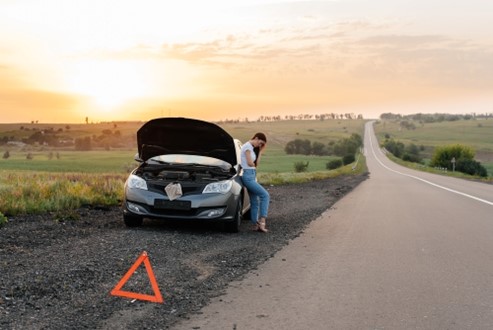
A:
(404, 250)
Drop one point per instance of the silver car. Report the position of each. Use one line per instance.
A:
(189, 169)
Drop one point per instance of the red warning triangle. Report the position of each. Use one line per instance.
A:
(157, 298)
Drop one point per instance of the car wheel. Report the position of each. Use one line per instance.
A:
(132, 221)
(233, 226)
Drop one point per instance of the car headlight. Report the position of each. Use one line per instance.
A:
(136, 182)
(221, 187)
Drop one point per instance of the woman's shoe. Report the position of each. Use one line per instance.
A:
(261, 225)
(255, 227)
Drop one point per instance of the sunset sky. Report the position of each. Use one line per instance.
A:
(63, 61)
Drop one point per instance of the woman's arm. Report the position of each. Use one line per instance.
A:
(249, 158)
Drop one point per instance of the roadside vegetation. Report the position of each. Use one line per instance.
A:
(41, 176)
(458, 145)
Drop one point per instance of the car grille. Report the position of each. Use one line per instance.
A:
(186, 189)
(177, 213)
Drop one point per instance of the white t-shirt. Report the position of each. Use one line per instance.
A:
(244, 148)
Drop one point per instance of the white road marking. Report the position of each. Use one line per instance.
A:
(423, 180)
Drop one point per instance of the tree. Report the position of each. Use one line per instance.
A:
(411, 153)
(83, 144)
(347, 145)
(319, 149)
(298, 146)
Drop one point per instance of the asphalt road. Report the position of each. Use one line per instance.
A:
(404, 250)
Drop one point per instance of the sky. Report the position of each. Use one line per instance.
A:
(65, 61)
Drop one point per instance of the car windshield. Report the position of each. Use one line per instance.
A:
(190, 159)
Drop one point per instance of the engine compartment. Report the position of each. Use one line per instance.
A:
(191, 174)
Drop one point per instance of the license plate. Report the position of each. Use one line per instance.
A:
(172, 205)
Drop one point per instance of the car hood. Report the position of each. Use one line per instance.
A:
(164, 136)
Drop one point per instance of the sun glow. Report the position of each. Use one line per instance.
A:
(109, 84)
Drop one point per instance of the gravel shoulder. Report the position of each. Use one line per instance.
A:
(57, 273)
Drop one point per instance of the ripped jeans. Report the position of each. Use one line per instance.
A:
(259, 196)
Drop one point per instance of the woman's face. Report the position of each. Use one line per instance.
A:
(260, 143)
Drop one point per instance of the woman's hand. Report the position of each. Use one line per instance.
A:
(262, 146)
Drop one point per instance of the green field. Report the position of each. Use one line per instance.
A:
(477, 134)
(97, 161)
(118, 161)
(61, 179)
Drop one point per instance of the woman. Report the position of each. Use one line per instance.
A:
(259, 197)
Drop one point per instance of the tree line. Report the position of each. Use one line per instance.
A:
(435, 117)
(341, 147)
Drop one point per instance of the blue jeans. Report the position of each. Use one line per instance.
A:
(259, 197)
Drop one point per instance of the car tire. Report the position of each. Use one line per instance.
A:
(233, 226)
(132, 221)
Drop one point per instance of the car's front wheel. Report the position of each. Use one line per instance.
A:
(132, 220)
(233, 226)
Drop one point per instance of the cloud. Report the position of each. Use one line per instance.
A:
(425, 59)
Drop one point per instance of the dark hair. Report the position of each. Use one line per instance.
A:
(256, 150)
(260, 136)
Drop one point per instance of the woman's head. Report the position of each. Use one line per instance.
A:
(261, 138)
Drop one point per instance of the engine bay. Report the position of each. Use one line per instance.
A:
(197, 174)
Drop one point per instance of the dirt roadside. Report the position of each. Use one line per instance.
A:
(58, 273)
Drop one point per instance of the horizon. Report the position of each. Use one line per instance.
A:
(221, 60)
(266, 119)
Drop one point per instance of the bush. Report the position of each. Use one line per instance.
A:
(348, 159)
(301, 167)
(464, 160)
(394, 147)
(443, 155)
(298, 147)
(333, 164)
(3, 219)
(6, 154)
(471, 167)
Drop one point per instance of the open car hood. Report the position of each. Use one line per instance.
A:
(164, 136)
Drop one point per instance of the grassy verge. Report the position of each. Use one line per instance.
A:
(37, 192)
(24, 192)
(424, 168)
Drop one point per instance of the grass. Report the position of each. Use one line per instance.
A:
(277, 178)
(76, 178)
(477, 134)
(35, 192)
(97, 161)
(96, 177)
(280, 133)
(276, 161)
